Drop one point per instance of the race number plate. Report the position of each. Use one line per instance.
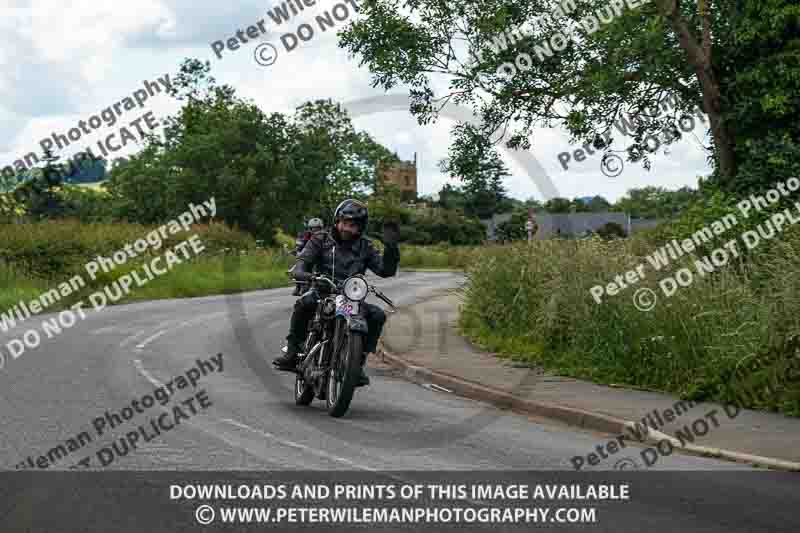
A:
(346, 307)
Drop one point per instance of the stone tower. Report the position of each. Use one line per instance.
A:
(403, 175)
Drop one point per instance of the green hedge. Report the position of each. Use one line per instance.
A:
(57, 249)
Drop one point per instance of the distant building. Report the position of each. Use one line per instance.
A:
(576, 224)
(403, 175)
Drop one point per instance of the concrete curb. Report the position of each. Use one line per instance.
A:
(569, 415)
(654, 437)
(504, 400)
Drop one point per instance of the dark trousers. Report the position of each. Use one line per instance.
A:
(304, 309)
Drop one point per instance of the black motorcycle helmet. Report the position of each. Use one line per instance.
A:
(352, 210)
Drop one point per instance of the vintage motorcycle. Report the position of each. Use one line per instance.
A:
(330, 363)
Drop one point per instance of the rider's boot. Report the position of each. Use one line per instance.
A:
(287, 361)
(363, 378)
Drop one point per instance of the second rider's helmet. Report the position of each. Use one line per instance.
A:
(314, 224)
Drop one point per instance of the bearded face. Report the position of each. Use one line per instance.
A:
(348, 230)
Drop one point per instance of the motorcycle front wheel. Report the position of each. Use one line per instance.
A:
(303, 392)
(345, 370)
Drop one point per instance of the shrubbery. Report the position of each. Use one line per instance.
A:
(443, 226)
(429, 226)
(37, 255)
(611, 230)
(534, 301)
(56, 249)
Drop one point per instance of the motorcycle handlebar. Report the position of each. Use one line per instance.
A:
(307, 276)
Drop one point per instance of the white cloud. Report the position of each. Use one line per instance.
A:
(60, 62)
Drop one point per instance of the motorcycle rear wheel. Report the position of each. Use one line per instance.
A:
(340, 392)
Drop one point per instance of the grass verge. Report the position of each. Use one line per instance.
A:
(731, 336)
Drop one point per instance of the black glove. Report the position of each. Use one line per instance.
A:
(391, 233)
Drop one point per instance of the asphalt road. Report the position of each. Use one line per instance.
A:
(249, 422)
(53, 393)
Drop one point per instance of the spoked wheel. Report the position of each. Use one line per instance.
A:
(303, 392)
(345, 369)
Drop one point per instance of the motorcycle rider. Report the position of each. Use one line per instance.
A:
(314, 225)
(354, 254)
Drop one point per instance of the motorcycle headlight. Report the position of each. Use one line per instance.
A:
(355, 289)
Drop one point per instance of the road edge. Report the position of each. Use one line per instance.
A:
(569, 415)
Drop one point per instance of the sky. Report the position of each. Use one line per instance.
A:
(64, 61)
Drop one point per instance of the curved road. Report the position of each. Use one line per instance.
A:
(52, 393)
(123, 353)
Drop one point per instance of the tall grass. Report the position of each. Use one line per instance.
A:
(36, 257)
(14, 286)
(217, 275)
(533, 302)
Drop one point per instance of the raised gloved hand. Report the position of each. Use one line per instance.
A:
(391, 233)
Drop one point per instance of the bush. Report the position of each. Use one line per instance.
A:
(514, 229)
(443, 226)
(86, 204)
(284, 240)
(611, 230)
(60, 248)
(221, 238)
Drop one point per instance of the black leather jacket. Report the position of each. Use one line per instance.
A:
(350, 257)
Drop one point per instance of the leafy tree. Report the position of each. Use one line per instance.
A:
(348, 159)
(734, 60)
(86, 204)
(655, 202)
(443, 226)
(451, 197)
(598, 203)
(477, 164)
(39, 194)
(558, 205)
(10, 208)
(264, 170)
